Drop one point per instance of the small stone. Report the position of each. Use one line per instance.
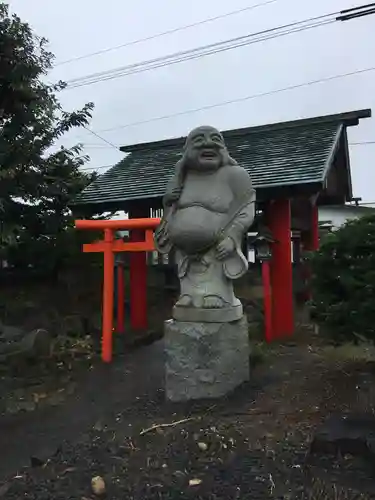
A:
(178, 473)
(98, 426)
(98, 485)
(195, 482)
(202, 446)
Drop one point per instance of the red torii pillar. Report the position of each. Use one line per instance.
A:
(278, 217)
(120, 325)
(108, 246)
(138, 274)
(267, 300)
(310, 242)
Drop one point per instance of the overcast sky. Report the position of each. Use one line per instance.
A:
(79, 27)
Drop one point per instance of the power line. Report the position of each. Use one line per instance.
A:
(100, 137)
(362, 143)
(151, 65)
(240, 99)
(202, 51)
(356, 12)
(217, 47)
(164, 33)
(102, 167)
(95, 169)
(292, 87)
(91, 145)
(96, 146)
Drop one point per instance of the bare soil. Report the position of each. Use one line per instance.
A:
(253, 444)
(70, 418)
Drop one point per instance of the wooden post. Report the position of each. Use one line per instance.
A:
(310, 242)
(267, 300)
(108, 283)
(138, 276)
(120, 327)
(311, 237)
(279, 223)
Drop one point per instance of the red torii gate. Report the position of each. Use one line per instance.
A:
(109, 246)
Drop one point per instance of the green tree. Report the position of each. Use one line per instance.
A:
(344, 281)
(37, 178)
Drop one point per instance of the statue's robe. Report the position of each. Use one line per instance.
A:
(213, 205)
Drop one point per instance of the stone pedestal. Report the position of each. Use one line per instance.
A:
(205, 360)
(200, 315)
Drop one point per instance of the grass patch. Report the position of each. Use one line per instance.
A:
(323, 491)
(258, 353)
(349, 352)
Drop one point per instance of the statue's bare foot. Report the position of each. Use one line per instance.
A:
(184, 301)
(212, 302)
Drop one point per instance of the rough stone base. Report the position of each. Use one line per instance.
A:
(205, 360)
(17, 344)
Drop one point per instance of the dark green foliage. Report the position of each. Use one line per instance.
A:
(37, 178)
(344, 281)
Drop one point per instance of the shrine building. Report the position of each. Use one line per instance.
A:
(295, 167)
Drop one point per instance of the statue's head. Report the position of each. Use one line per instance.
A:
(205, 149)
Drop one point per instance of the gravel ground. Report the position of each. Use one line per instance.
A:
(252, 445)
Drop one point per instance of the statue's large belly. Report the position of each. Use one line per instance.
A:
(194, 229)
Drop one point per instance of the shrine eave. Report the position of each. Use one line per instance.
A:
(283, 159)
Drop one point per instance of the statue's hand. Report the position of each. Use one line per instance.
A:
(174, 195)
(225, 248)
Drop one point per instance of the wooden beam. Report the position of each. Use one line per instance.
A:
(146, 245)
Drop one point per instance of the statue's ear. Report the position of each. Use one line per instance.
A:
(177, 177)
(179, 169)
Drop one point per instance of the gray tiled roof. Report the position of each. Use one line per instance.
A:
(273, 155)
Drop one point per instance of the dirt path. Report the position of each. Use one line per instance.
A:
(99, 395)
(250, 445)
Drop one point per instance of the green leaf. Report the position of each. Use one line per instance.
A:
(343, 281)
(36, 185)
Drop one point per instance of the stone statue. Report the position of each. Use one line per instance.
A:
(208, 207)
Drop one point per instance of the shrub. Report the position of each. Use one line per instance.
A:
(343, 282)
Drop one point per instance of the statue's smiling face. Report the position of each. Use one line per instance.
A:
(205, 147)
